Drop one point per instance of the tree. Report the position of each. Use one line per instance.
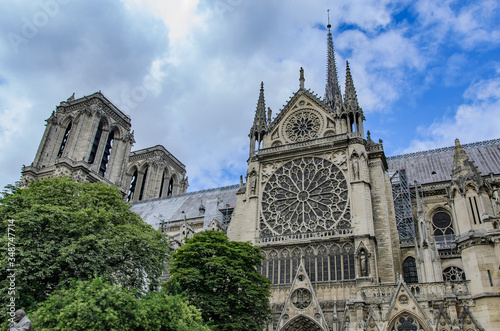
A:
(65, 230)
(220, 278)
(99, 305)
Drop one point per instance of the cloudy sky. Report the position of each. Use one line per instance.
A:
(188, 72)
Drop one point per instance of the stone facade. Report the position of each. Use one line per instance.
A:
(89, 139)
(351, 240)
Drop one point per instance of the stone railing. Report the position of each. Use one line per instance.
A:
(306, 143)
(303, 236)
(421, 291)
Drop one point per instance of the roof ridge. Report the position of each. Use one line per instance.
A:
(444, 149)
(222, 188)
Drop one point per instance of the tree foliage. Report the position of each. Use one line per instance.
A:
(220, 278)
(65, 230)
(98, 305)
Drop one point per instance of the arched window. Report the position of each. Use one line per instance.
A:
(295, 259)
(143, 184)
(65, 140)
(348, 262)
(309, 264)
(443, 230)
(335, 263)
(133, 184)
(273, 268)
(97, 140)
(163, 178)
(410, 274)
(453, 274)
(322, 265)
(170, 187)
(107, 153)
(284, 267)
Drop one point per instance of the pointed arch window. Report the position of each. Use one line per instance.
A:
(348, 262)
(107, 153)
(97, 140)
(273, 268)
(335, 263)
(143, 184)
(310, 264)
(284, 268)
(322, 265)
(296, 256)
(133, 184)
(64, 140)
(444, 234)
(410, 274)
(163, 178)
(170, 187)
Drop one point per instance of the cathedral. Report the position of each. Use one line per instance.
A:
(352, 239)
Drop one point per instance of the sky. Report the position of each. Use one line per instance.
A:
(188, 72)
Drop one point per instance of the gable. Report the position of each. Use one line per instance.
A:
(305, 117)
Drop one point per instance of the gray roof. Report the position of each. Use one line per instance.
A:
(421, 165)
(170, 209)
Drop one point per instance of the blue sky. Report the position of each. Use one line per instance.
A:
(426, 72)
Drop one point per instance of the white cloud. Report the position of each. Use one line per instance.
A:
(476, 120)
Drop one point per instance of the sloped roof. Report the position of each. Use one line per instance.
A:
(170, 209)
(435, 165)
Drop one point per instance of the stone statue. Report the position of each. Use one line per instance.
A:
(363, 263)
(253, 182)
(21, 322)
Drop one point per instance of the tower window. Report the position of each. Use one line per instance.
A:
(410, 274)
(107, 153)
(163, 182)
(170, 187)
(143, 184)
(65, 140)
(95, 145)
(131, 190)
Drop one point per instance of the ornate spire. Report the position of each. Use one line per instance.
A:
(260, 122)
(332, 88)
(463, 168)
(350, 97)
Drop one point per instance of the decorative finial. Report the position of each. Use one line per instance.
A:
(329, 25)
(301, 79)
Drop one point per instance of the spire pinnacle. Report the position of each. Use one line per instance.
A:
(463, 168)
(301, 79)
(332, 88)
(260, 122)
(350, 97)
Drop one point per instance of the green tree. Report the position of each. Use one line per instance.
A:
(65, 230)
(220, 278)
(99, 305)
(90, 305)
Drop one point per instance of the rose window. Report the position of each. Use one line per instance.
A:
(302, 126)
(305, 195)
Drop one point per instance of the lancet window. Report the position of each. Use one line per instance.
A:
(97, 140)
(107, 153)
(65, 140)
(410, 270)
(322, 264)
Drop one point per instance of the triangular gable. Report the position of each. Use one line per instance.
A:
(306, 104)
(403, 302)
(468, 322)
(443, 321)
(372, 322)
(302, 301)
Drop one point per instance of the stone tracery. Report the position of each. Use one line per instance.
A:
(304, 195)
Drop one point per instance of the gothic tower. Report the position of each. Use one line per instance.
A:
(88, 139)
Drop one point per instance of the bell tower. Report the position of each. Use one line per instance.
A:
(88, 139)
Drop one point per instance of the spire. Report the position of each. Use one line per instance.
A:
(350, 98)
(463, 168)
(260, 122)
(332, 88)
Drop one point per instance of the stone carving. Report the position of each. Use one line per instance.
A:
(301, 298)
(305, 195)
(21, 322)
(253, 182)
(302, 126)
(363, 263)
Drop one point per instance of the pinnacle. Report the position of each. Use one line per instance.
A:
(332, 82)
(350, 96)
